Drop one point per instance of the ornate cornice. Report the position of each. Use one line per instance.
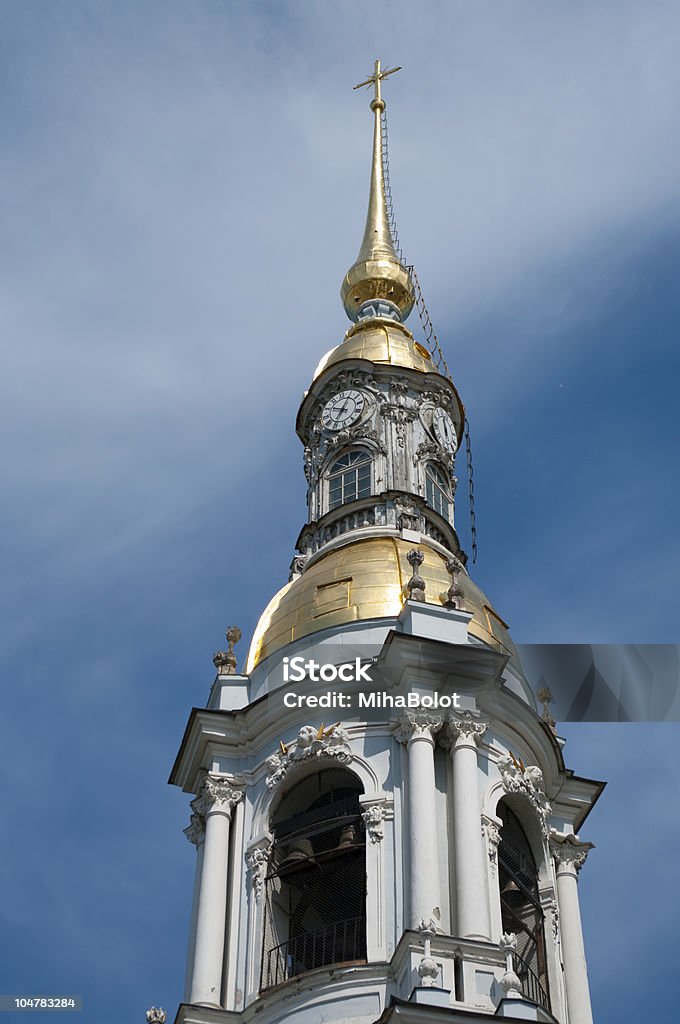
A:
(310, 743)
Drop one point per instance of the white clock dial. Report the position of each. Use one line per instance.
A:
(343, 409)
(444, 430)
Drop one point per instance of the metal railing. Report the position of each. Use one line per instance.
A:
(531, 986)
(339, 943)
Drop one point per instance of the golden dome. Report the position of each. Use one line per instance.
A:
(365, 579)
(380, 340)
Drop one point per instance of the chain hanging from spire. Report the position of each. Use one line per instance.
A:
(428, 328)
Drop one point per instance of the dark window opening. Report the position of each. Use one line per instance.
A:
(315, 889)
(521, 910)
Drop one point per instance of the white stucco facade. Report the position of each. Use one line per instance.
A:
(431, 786)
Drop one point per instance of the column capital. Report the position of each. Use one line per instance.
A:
(417, 725)
(463, 730)
(569, 852)
(217, 796)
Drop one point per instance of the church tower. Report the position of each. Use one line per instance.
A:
(384, 824)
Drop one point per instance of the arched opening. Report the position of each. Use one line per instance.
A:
(521, 910)
(315, 889)
(349, 478)
(438, 490)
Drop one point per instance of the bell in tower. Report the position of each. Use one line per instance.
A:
(384, 822)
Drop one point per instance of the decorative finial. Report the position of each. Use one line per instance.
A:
(156, 1016)
(428, 968)
(545, 697)
(416, 585)
(510, 982)
(378, 284)
(454, 595)
(225, 661)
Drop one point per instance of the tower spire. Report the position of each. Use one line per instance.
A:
(377, 284)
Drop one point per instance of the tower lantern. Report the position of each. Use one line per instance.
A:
(384, 824)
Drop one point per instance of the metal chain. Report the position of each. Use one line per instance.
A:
(471, 491)
(428, 328)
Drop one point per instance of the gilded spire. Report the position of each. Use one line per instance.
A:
(377, 284)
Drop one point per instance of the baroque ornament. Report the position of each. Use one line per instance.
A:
(257, 860)
(433, 450)
(415, 724)
(492, 834)
(218, 795)
(373, 818)
(568, 851)
(529, 782)
(454, 595)
(462, 729)
(310, 743)
(416, 585)
(195, 832)
(225, 661)
(155, 1015)
(554, 918)
(428, 968)
(510, 982)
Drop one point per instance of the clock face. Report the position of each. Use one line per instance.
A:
(343, 409)
(444, 430)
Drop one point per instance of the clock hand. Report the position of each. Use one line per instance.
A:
(341, 413)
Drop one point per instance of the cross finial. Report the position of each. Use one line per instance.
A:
(375, 79)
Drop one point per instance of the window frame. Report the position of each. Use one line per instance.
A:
(362, 489)
(441, 488)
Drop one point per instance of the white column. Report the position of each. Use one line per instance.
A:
(216, 805)
(472, 905)
(570, 855)
(417, 731)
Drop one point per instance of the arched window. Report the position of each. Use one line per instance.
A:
(315, 889)
(349, 478)
(438, 490)
(521, 910)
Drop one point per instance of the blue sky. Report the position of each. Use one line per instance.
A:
(183, 187)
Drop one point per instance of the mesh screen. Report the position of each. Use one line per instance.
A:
(315, 891)
(521, 908)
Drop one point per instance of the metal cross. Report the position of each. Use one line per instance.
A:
(375, 80)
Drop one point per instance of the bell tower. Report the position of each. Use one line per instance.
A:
(416, 860)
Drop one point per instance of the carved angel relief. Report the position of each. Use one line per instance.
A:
(528, 781)
(310, 743)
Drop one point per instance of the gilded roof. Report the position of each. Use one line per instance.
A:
(380, 341)
(365, 579)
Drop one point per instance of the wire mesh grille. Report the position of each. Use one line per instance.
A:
(521, 909)
(315, 891)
